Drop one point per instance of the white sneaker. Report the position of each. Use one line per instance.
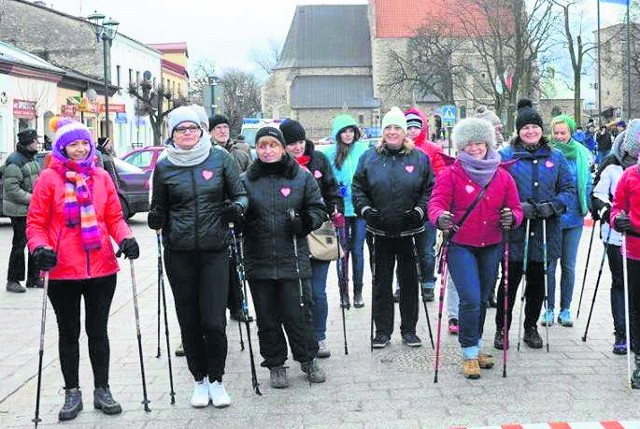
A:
(323, 350)
(200, 397)
(218, 394)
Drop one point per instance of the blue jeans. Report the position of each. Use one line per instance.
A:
(474, 271)
(453, 301)
(355, 229)
(570, 241)
(320, 308)
(428, 262)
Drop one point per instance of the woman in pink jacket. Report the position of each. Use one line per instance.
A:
(73, 215)
(475, 246)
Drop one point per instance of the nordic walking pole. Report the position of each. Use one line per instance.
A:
(36, 419)
(546, 278)
(158, 234)
(172, 393)
(145, 400)
(625, 281)
(586, 267)
(523, 282)
(505, 277)
(424, 301)
(443, 286)
(595, 292)
(343, 284)
(238, 253)
(374, 288)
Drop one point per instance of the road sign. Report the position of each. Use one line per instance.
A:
(449, 113)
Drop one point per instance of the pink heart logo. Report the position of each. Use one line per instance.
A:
(285, 191)
(207, 174)
(317, 174)
(409, 168)
(549, 164)
(469, 189)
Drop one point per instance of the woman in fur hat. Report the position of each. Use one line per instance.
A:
(475, 249)
(391, 189)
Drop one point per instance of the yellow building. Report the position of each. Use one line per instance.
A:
(175, 77)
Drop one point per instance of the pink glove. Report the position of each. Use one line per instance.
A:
(338, 219)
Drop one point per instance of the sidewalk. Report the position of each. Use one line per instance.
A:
(576, 381)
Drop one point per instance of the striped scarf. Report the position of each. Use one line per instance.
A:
(78, 203)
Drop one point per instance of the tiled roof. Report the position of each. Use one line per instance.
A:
(400, 18)
(324, 92)
(170, 47)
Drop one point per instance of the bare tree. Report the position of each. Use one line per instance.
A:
(241, 96)
(267, 58)
(154, 101)
(202, 71)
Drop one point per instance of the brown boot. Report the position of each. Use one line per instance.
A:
(471, 369)
(485, 360)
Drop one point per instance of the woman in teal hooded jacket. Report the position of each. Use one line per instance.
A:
(344, 156)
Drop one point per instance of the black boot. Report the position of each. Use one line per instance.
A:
(72, 404)
(102, 400)
(358, 302)
(344, 300)
(635, 377)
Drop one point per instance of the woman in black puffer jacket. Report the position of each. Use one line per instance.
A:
(318, 165)
(196, 193)
(285, 205)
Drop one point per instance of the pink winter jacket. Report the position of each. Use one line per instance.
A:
(454, 191)
(627, 199)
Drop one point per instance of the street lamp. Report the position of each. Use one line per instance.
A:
(213, 82)
(105, 30)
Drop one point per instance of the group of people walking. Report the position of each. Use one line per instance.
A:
(520, 208)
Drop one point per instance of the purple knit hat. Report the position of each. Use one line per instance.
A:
(67, 131)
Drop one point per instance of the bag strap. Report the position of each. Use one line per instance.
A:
(472, 206)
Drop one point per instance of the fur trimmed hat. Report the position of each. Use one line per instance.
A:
(394, 117)
(270, 131)
(473, 130)
(527, 115)
(293, 131)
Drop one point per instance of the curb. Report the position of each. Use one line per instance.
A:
(605, 424)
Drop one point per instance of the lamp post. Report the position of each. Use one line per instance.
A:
(106, 30)
(213, 82)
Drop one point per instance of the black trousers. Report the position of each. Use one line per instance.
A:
(65, 297)
(534, 294)
(634, 304)
(277, 305)
(16, 269)
(200, 284)
(234, 300)
(385, 252)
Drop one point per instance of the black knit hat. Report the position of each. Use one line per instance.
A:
(271, 132)
(527, 115)
(292, 131)
(25, 137)
(217, 120)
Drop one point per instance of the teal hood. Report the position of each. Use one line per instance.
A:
(341, 122)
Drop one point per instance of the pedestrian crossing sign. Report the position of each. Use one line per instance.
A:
(449, 113)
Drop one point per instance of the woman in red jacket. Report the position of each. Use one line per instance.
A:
(475, 249)
(74, 213)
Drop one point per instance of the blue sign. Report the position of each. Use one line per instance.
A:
(121, 118)
(449, 113)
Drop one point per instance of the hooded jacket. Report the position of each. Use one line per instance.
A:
(320, 168)
(422, 142)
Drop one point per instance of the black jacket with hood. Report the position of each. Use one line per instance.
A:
(320, 168)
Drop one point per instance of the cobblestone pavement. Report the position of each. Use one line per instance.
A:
(394, 387)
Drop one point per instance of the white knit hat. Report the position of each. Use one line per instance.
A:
(473, 130)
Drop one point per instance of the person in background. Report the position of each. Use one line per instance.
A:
(285, 205)
(604, 143)
(219, 131)
(343, 156)
(197, 192)
(105, 151)
(475, 249)
(19, 174)
(391, 190)
(483, 112)
(620, 127)
(315, 162)
(74, 215)
(571, 221)
(545, 188)
(241, 144)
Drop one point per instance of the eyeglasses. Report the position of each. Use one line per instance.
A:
(183, 130)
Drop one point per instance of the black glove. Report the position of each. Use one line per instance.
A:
(373, 218)
(529, 210)
(598, 204)
(232, 213)
(545, 210)
(45, 258)
(294, 222)
(129, 248)
(445, 221)
(412, 218)
(595, 215)
(622, 223)
(506, 218)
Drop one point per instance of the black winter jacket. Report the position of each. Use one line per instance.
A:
(272, 190)
(187, 202)
(320, 168)
(392, 182)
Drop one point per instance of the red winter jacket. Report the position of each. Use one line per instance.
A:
(422, 142)
(627, 199)
(454, 191)
(46, 226)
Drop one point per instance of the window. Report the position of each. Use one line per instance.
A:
(118, 75)
(361, 118)
(130, 76)
(137, 76)
(140, 159)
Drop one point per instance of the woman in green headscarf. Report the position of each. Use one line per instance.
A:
(571, 222)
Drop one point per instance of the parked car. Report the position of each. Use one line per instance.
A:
(144, 157)
(133, 186)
